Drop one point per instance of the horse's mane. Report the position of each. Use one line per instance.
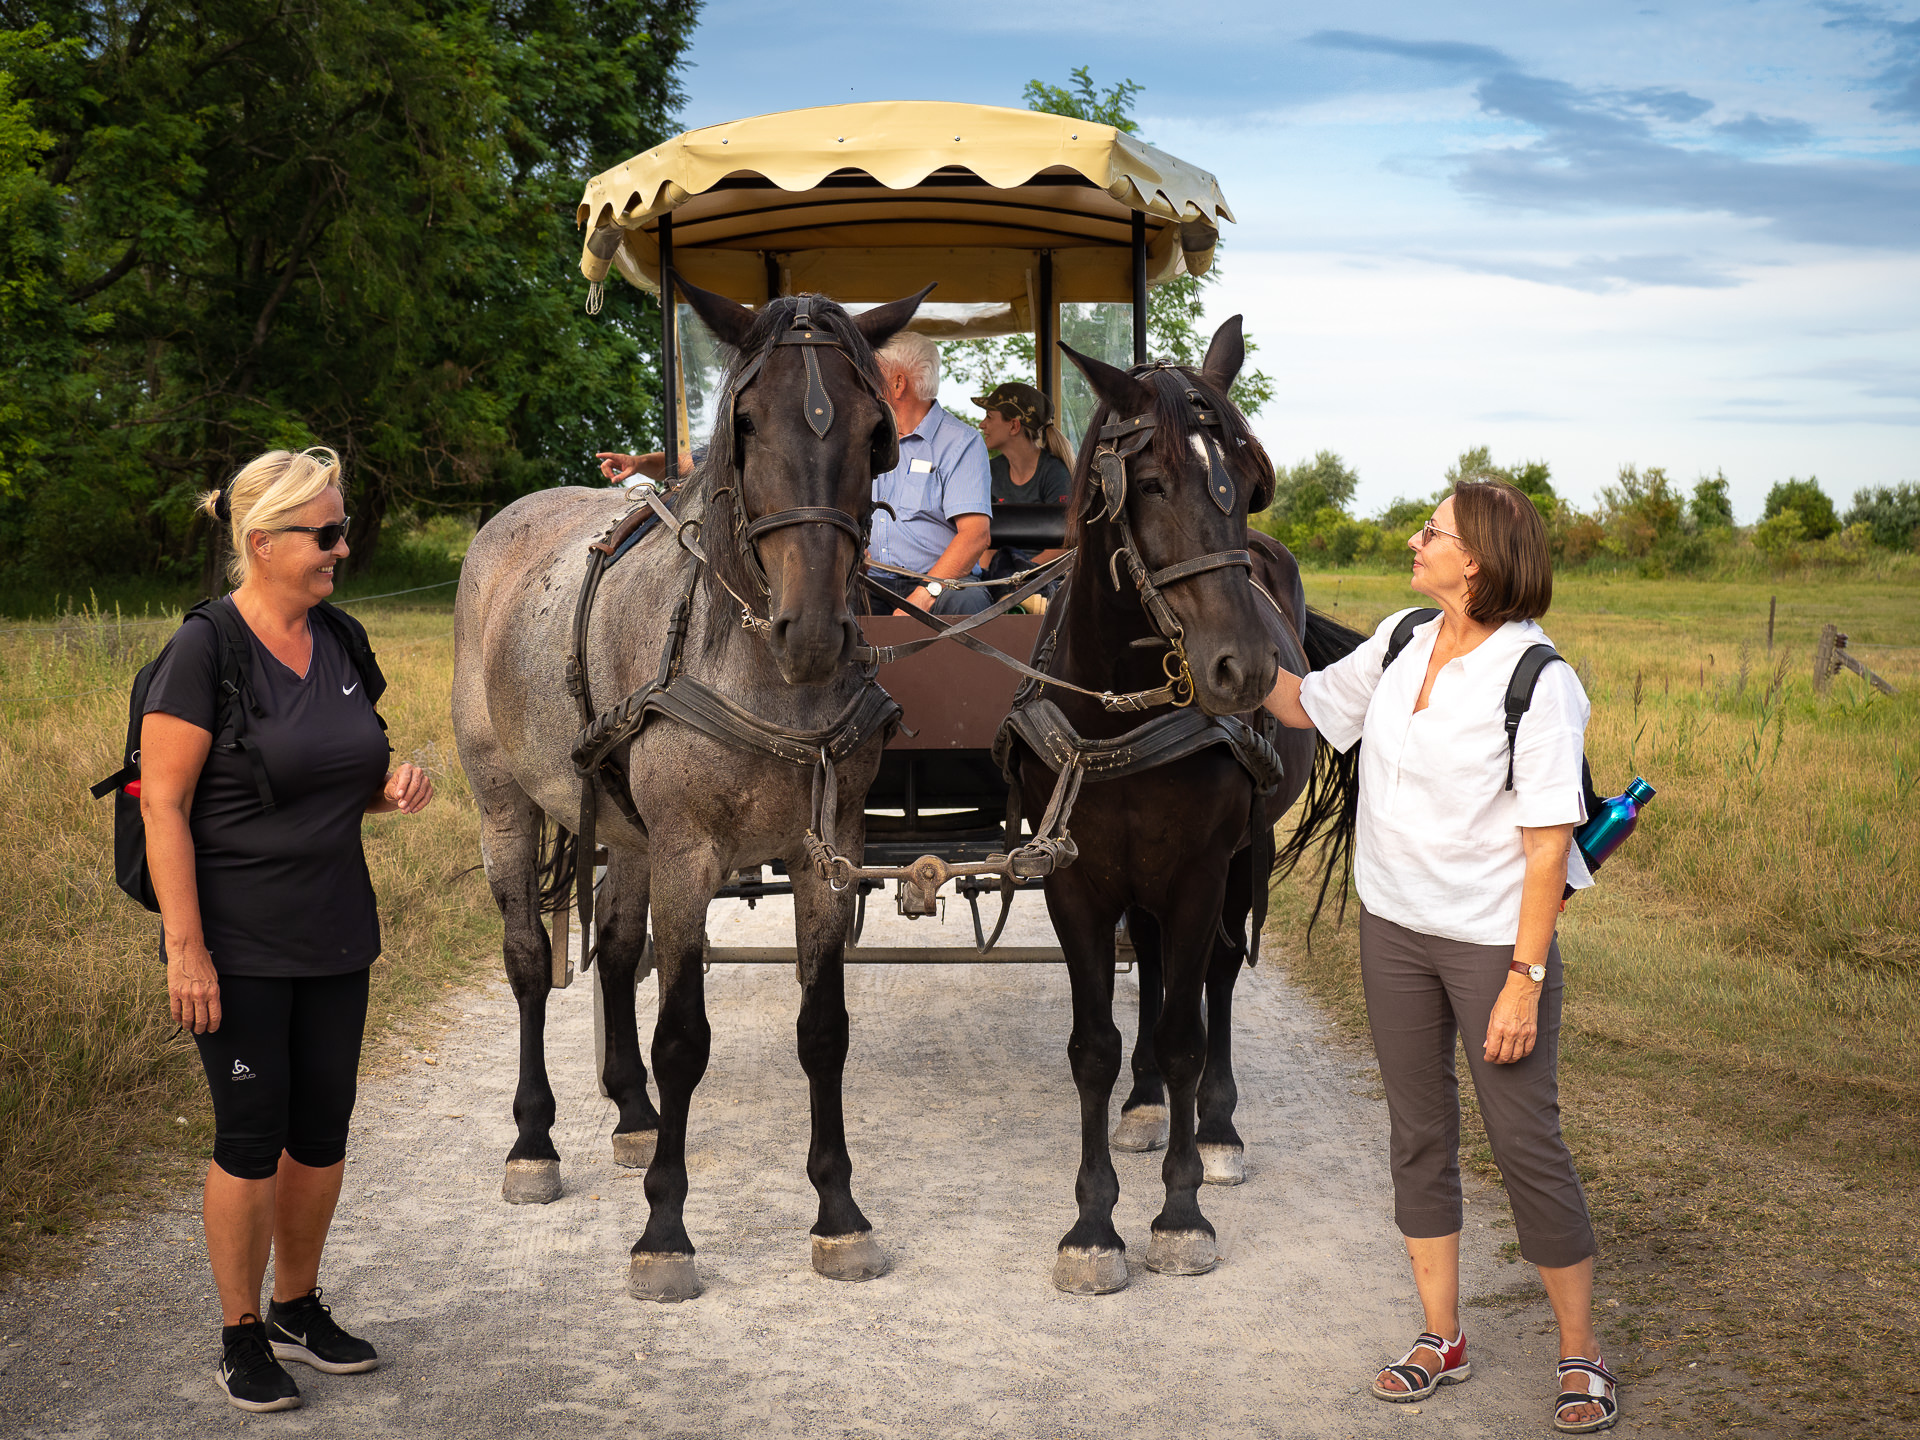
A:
(715, 480)
(1245, 457)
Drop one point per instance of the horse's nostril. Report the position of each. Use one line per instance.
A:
(1226, 672)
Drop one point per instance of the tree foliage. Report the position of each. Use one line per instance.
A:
(1712, 505)
(1891, 513)
(1817, 519)
(238, 224)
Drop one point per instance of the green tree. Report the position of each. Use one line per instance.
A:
(1301, 491)
(349, 227)
(1533, 478)
(1805, 496)
(1639, 511)
(1712, 506)
(1891, 512)
(1176, 310)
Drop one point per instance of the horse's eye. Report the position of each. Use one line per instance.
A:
(743, 424)
(1148, 483)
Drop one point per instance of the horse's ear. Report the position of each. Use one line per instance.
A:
(1119, 391)
(883, 322)
(1226, 353)
(728, 321)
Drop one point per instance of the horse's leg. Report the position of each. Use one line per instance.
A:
(1092, 1258)
(1143, 1115)
(844, 1247)
(509, 845)
(1183, 1241)
(685, 880)
(622, 942)
(1222, 1155)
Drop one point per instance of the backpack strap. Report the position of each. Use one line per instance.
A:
(1403, 633)
(1526, 674)
(234, 698)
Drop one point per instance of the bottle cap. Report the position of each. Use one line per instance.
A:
(1640, 791)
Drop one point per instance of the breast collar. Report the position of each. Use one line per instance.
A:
(1120, 441)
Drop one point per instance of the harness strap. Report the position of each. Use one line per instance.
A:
(1160, 741)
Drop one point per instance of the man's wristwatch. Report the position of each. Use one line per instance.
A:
(1536, 973)
(935, 589)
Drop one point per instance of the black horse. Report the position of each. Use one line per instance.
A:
(1181, 846)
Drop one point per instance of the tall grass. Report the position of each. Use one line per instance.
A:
(94, 1082)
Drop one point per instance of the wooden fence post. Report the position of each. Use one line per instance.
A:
(1823, 663)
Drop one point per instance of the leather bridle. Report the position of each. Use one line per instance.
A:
(818, 409)
(1119, 443)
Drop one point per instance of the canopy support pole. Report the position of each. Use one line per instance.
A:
(1043, 332)
(670, 409)
(772, 263)
(1139, 288)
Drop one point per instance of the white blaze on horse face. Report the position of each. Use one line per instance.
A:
(1199, 448)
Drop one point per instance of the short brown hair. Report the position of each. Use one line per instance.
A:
(1504, 534)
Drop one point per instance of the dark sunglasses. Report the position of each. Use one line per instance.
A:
(325, 536)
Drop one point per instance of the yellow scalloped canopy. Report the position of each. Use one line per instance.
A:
(870, 202)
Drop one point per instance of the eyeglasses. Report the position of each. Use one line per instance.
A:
(1429, 530)
(325, 536)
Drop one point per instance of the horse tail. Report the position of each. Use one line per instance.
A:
(555, 867)
(1330, 810)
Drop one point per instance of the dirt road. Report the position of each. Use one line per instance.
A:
(515, 1322)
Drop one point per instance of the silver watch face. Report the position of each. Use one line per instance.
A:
(934, 588)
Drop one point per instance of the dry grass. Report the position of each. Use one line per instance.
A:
(100, 1099)
(1740, 1071)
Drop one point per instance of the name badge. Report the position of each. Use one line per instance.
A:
(920, 467)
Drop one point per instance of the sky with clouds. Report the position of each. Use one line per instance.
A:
(1684, 235)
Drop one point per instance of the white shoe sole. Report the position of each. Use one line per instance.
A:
(284, 1351)
(257, 1407)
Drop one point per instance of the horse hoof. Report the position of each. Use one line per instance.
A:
(849, 1257)
(635, 1149)
(1142, 1128)
(1081, 1270)
(531, 1182)
(1182, 1252)
(666, 1278)
(1224, 1164)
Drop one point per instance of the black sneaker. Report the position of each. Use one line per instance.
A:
(304, 1330)
(249, 1375)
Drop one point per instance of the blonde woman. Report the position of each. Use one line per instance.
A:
(267, 908)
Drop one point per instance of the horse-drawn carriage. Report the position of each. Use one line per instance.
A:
(682, 675)
(1024, 220)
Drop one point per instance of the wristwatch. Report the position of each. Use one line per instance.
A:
(1535, 973)
(935, 589)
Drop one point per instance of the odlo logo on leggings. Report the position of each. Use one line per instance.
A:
(240, 1071)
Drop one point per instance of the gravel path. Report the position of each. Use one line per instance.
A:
(514, 1321)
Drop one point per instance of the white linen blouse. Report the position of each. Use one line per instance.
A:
(1438, 847)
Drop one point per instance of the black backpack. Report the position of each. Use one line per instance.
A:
(234, 702)
(1526, 674)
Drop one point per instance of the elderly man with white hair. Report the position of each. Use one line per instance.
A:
(940, 491)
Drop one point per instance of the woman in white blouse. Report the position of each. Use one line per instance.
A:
(1460, 877)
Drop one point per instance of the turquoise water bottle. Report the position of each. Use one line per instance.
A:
(1602, 833)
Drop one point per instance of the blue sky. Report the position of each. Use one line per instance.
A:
(1680, 234)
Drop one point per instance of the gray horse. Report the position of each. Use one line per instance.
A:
(783, 501)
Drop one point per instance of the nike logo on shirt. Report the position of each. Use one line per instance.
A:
(349, 689)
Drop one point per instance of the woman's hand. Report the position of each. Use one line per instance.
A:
(1515, 1023)
(193, 986)
(408, 790)
(1284, 701)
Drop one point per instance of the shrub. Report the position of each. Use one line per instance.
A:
(1639, 511)
(1711, 507)
(1817, 519)
(1892, 512)
(1778, 538)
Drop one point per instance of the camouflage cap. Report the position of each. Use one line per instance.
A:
(1014, 398)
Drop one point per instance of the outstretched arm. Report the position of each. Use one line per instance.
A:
(1284, 701)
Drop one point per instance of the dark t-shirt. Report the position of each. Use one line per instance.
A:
(1050, 485)
(285, 894)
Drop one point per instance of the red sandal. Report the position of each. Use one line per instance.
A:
(1420, 1381)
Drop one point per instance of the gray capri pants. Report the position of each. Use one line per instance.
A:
(1422, 991)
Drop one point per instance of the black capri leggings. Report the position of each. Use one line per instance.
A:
(283, 1067)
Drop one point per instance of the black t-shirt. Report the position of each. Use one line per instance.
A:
(1050, 485)
(285, 894)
